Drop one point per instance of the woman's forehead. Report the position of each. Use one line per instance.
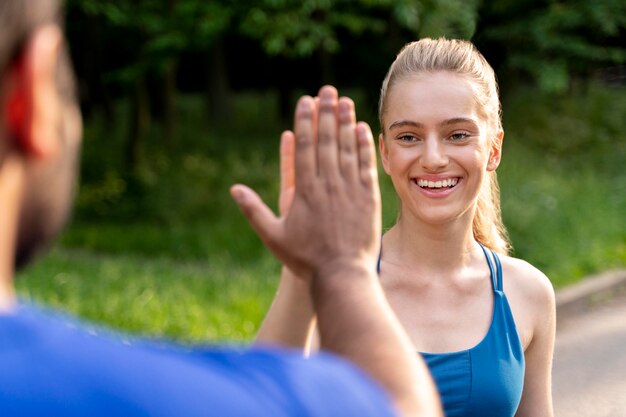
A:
(432, 96)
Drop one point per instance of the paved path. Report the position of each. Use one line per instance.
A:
(589, 376)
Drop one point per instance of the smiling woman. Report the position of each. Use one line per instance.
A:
(436, 134)
(483, 321)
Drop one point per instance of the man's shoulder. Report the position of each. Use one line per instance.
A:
(59, 362)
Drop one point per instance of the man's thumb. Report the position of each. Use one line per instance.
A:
(259, 215)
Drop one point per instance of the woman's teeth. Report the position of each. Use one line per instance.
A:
(450, 182)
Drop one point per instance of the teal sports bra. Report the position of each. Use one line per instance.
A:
(486, 380)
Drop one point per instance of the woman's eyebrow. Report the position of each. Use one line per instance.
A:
(457, 120)
(448, 122)
(403, 123)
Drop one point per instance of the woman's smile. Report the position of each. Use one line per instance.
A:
(436, 187)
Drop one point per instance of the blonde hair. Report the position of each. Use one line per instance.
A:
(460, 57)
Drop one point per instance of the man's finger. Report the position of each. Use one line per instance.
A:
(327, 134)
(367, 155)
(348, 156)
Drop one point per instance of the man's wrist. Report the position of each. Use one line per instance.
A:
(344, 273)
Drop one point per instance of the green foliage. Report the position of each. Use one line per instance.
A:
(449, 18)
(548, 41)
(161, 30)
(563, 186)
(552, 40)
(168, 208)
(300, 28)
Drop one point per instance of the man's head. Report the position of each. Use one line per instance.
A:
(40, 126)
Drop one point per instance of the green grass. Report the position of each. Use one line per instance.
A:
(189, 301)
(167, 253)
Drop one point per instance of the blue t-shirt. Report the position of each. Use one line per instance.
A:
(53, 365)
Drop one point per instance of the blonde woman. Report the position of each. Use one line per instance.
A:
(483, 321)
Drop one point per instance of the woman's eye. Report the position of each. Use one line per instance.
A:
(459, 136)
(407, 138)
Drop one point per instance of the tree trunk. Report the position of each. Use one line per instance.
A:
(284, 102)
(327, 75)
(169, 105)
(218, 90)
(94, 93)
(169, 91)
(140, 123)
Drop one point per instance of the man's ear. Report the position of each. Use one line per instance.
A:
(384, 152)
(32, 108)
(495, 154)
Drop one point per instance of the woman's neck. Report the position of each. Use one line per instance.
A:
(439, 247)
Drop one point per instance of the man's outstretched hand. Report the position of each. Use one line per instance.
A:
(333, 219)
(329, 233)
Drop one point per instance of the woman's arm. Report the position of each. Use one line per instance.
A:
(290, 320)
(537, 394)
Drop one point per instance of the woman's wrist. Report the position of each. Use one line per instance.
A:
(294, 283)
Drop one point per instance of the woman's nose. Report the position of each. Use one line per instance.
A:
(434, 156)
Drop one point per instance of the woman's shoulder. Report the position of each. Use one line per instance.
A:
(531, 297)
(525, 281)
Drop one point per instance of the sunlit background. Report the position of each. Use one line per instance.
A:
(182, 98)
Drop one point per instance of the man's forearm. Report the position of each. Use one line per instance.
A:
(355, 321)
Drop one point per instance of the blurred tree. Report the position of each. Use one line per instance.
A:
(449, 18)
(136, 48)
(310, 28)
(319, 29)
(553, 41)
(158, 31)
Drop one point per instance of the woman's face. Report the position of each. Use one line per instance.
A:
(435, 146)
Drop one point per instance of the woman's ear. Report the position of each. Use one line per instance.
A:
(384, 153)
(495, 153)
(32, 108)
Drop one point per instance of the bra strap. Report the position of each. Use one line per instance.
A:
(490, 256)
(498, 271)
